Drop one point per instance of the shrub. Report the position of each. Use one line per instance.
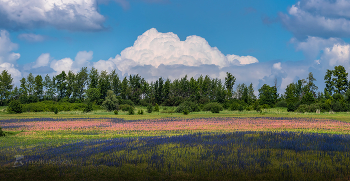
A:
(156, 108)
(125, 107)
(140, 112)
(131, 110)
(149, 108)
(185, 111)
(240, 108)
(265, 106)
(15, 107)
(214, 107)
(291, 107)
(337, 107)
(282, 104)
(116, 112)
(88, 107)
(56, 111)
(190, 106)
(127, 101)
(1, 132)
(234, 106)
(111, 101)
(303, 108)
(258, 109)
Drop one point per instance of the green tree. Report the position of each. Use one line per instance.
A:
(49, 87)
(340, 79)
(93, 78)
(71, 79)
(125, 89)
(267, 95)
(104, 84)
(251, 92)
(111, 102)
(115, 83)
(311, 85)
(93, 94)
(82, 80)
(5, 86)
(229, 82)
(23, 91)
(291, 94)
(61, 84)
(38, 87)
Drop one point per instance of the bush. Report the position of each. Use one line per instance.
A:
(111, 101)
(131, 110)
(282, 104)
(156, 108)
(116, 112)
(149, 108)
(185, 111)
(15, 107)
(1, 132)
(125, 107)
(265, 106)
(140, 112)
(291, 107)
(214, 107)
(337, 107)
(234, 106)
(88, 107)
(127, 101)
(190, 106)
(240, 108)
(56, 111)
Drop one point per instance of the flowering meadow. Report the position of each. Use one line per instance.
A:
(175, 149)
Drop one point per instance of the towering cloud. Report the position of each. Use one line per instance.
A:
(7, 57)
(155, 48)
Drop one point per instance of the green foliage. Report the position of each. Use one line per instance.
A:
(190, 106)
(5, 86)
(116, 112)
(149, 108)
(265, 106)
(240, 108)
(125, 107)
(308, 98)
(131, 110)
(127, 101)
(55, 110)
(185, 111)
(111, 101)
(291, 107)
(49, 106)
(156, 108)
(1, 132)
(93, 94)
(337, 106)
(140, 112)
(234, 106)
(282, 103)
(15, 107)
(88, 107)
(267, 95)
(214, 107)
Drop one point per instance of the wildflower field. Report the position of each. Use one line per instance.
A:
(227, 148)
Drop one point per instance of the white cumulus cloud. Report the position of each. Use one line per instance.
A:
(43, 60)
(73, 15)
(156, 48)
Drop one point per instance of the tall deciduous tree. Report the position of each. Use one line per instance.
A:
(81, 82)
(38, 87)
(5, 86)
(49, 87)
(61, 84)
(267, 95)
(229, 82)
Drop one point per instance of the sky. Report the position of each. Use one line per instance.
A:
(257, 41)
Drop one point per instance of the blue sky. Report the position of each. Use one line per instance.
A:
(257, 41)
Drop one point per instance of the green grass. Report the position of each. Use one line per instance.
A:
(273, 112)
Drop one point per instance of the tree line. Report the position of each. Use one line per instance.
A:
(92, 86)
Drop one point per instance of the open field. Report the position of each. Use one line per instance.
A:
(231, 145)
